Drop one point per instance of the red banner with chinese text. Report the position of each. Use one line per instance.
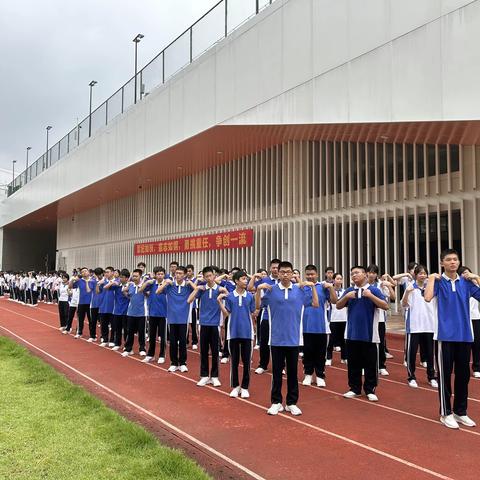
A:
(214, 241)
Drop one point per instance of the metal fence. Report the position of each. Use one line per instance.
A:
(209, 29)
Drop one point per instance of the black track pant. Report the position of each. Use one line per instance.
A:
(240, 348)
(476, 346)
(314, 353)
(71, 316)
(83, 309)
(362, 355)
(92, 322)
(119, 327)
(337, 338)
(158, 328)
(106, 321)
(382, 357)
(209, 339)
(280, 357)
(135, 325)
(264, 346)
(453, 357)
(193, 327)
(413, 341)
(225, 351)
(178, 344)
(63, 313)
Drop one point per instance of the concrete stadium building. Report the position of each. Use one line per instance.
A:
(327, 131)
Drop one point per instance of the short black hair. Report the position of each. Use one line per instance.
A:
(174, 263)
(190, 266)
(448, 251)
(137, 270)
(285, 264)
(224, 271)
(336, 274)
(110, 268)
(419, 268)
(125, 273)
(158, 269)
(360, 267)
(238, 275)
(180, 267)
(98, 271)
(275, 261)
(411, 265)
(141, 264)
(329, 269)
(118, 271)
(65, 275)
(372, 268)
(261, 270)
(206, 270)
(235, 269)
(311, 267)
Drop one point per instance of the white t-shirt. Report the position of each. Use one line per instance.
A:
(420, 317)
(63, 292)
(338, 315)
(474, 309)
(75, 298)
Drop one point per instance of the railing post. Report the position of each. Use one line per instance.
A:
(226, 18)
(106, 112)
(122, 99)
(257, 7)
(163, 67)
(191, 45)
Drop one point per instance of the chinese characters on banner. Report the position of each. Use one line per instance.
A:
(214, 241)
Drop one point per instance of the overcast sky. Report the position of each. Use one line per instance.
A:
(52, 49)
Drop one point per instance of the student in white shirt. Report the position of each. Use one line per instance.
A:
(338, 322)
(63, 294)
(73, 300)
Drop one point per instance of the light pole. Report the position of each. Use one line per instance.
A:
(136, 40)
(26, 164)
(45, 163)
(91, 85)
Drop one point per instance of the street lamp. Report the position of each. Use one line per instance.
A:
(91, 85)
(45, 163)
(136, 40)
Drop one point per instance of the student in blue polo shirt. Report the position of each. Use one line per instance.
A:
(239, 307)
(285, 303)
(157, 310)
(454, 335)
(86, 286)
(120, 308)
(362, 336)
(178, 317)
(316, 329)
(105, 310)
(135, 314)
(95, 303)
(210, 317)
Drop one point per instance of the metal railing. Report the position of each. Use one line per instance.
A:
(209, 29)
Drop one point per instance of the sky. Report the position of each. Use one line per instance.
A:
(52, 49)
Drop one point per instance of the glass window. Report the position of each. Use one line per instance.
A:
(353, 161)
(399, 159)
(338, 164)
(442, 158)
(420, 165)
(371, 164)
(454, 158)
(361, 151)
(431, 160)
(380, 163)
(389, 153)
(409, 160)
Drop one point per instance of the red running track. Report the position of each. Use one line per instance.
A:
(399, 437)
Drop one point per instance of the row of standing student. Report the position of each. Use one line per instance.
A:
(30, 287)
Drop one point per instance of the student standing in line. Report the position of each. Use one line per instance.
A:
(239, 307)
(363, 337)
(171, 270)
(73, 299)
(316, 329)
(178, 317)
(157, 307)
(210, 319)
(97, 298)
(135, 314)
(106, 308)
(194, 316)
(120, 308)
(475, 318)
(257, 277)
(272, 279)
(338, 322)
(85, 286)
(63, 295)
(419, 326)
(454, 335)
(285, 302)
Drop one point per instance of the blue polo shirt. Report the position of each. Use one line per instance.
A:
(210, 313)
(271, 281)
(120, 300)
(157, 302)
(85, 297)
(136, 306)
(229, 285)
(178, 309)
(97, 298)
(315, 320)
(452, 320)
(362, 323)
(108, 300)
(285, 310)
(239, 322)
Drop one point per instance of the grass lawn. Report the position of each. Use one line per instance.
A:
(52, 429)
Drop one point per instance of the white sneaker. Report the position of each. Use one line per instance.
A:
(183, 368)
(275, 409)
(111, 344)
(234, 393)
(307, 380)
(476, 374)
(404, 364)
(62, 329)
(413, 383)
(216, 382)
(337, 349)
(423, 364)
(90, 340)
(172, 368)
(143, 353)
(77, 335)
(244, 393)
(300, 354)
(116, 348)
(464, 420)
(147, 359)
(449, 421)
(321, 382)
(434, 383)
(161, 360)
(194, 347)
(259, 371)
(220, 354)
(125, 354)
(372, 397)
(103, 344)
(350, 394)
(293, 409)
(328, 362)
(344, 361)
(388, 355)
(224, 360)
(383, 372)
(256, 347)
(203, 381)
(65, 332)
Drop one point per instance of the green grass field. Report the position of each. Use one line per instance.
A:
(52, 429)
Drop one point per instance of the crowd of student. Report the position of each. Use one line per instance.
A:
(282, 315)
